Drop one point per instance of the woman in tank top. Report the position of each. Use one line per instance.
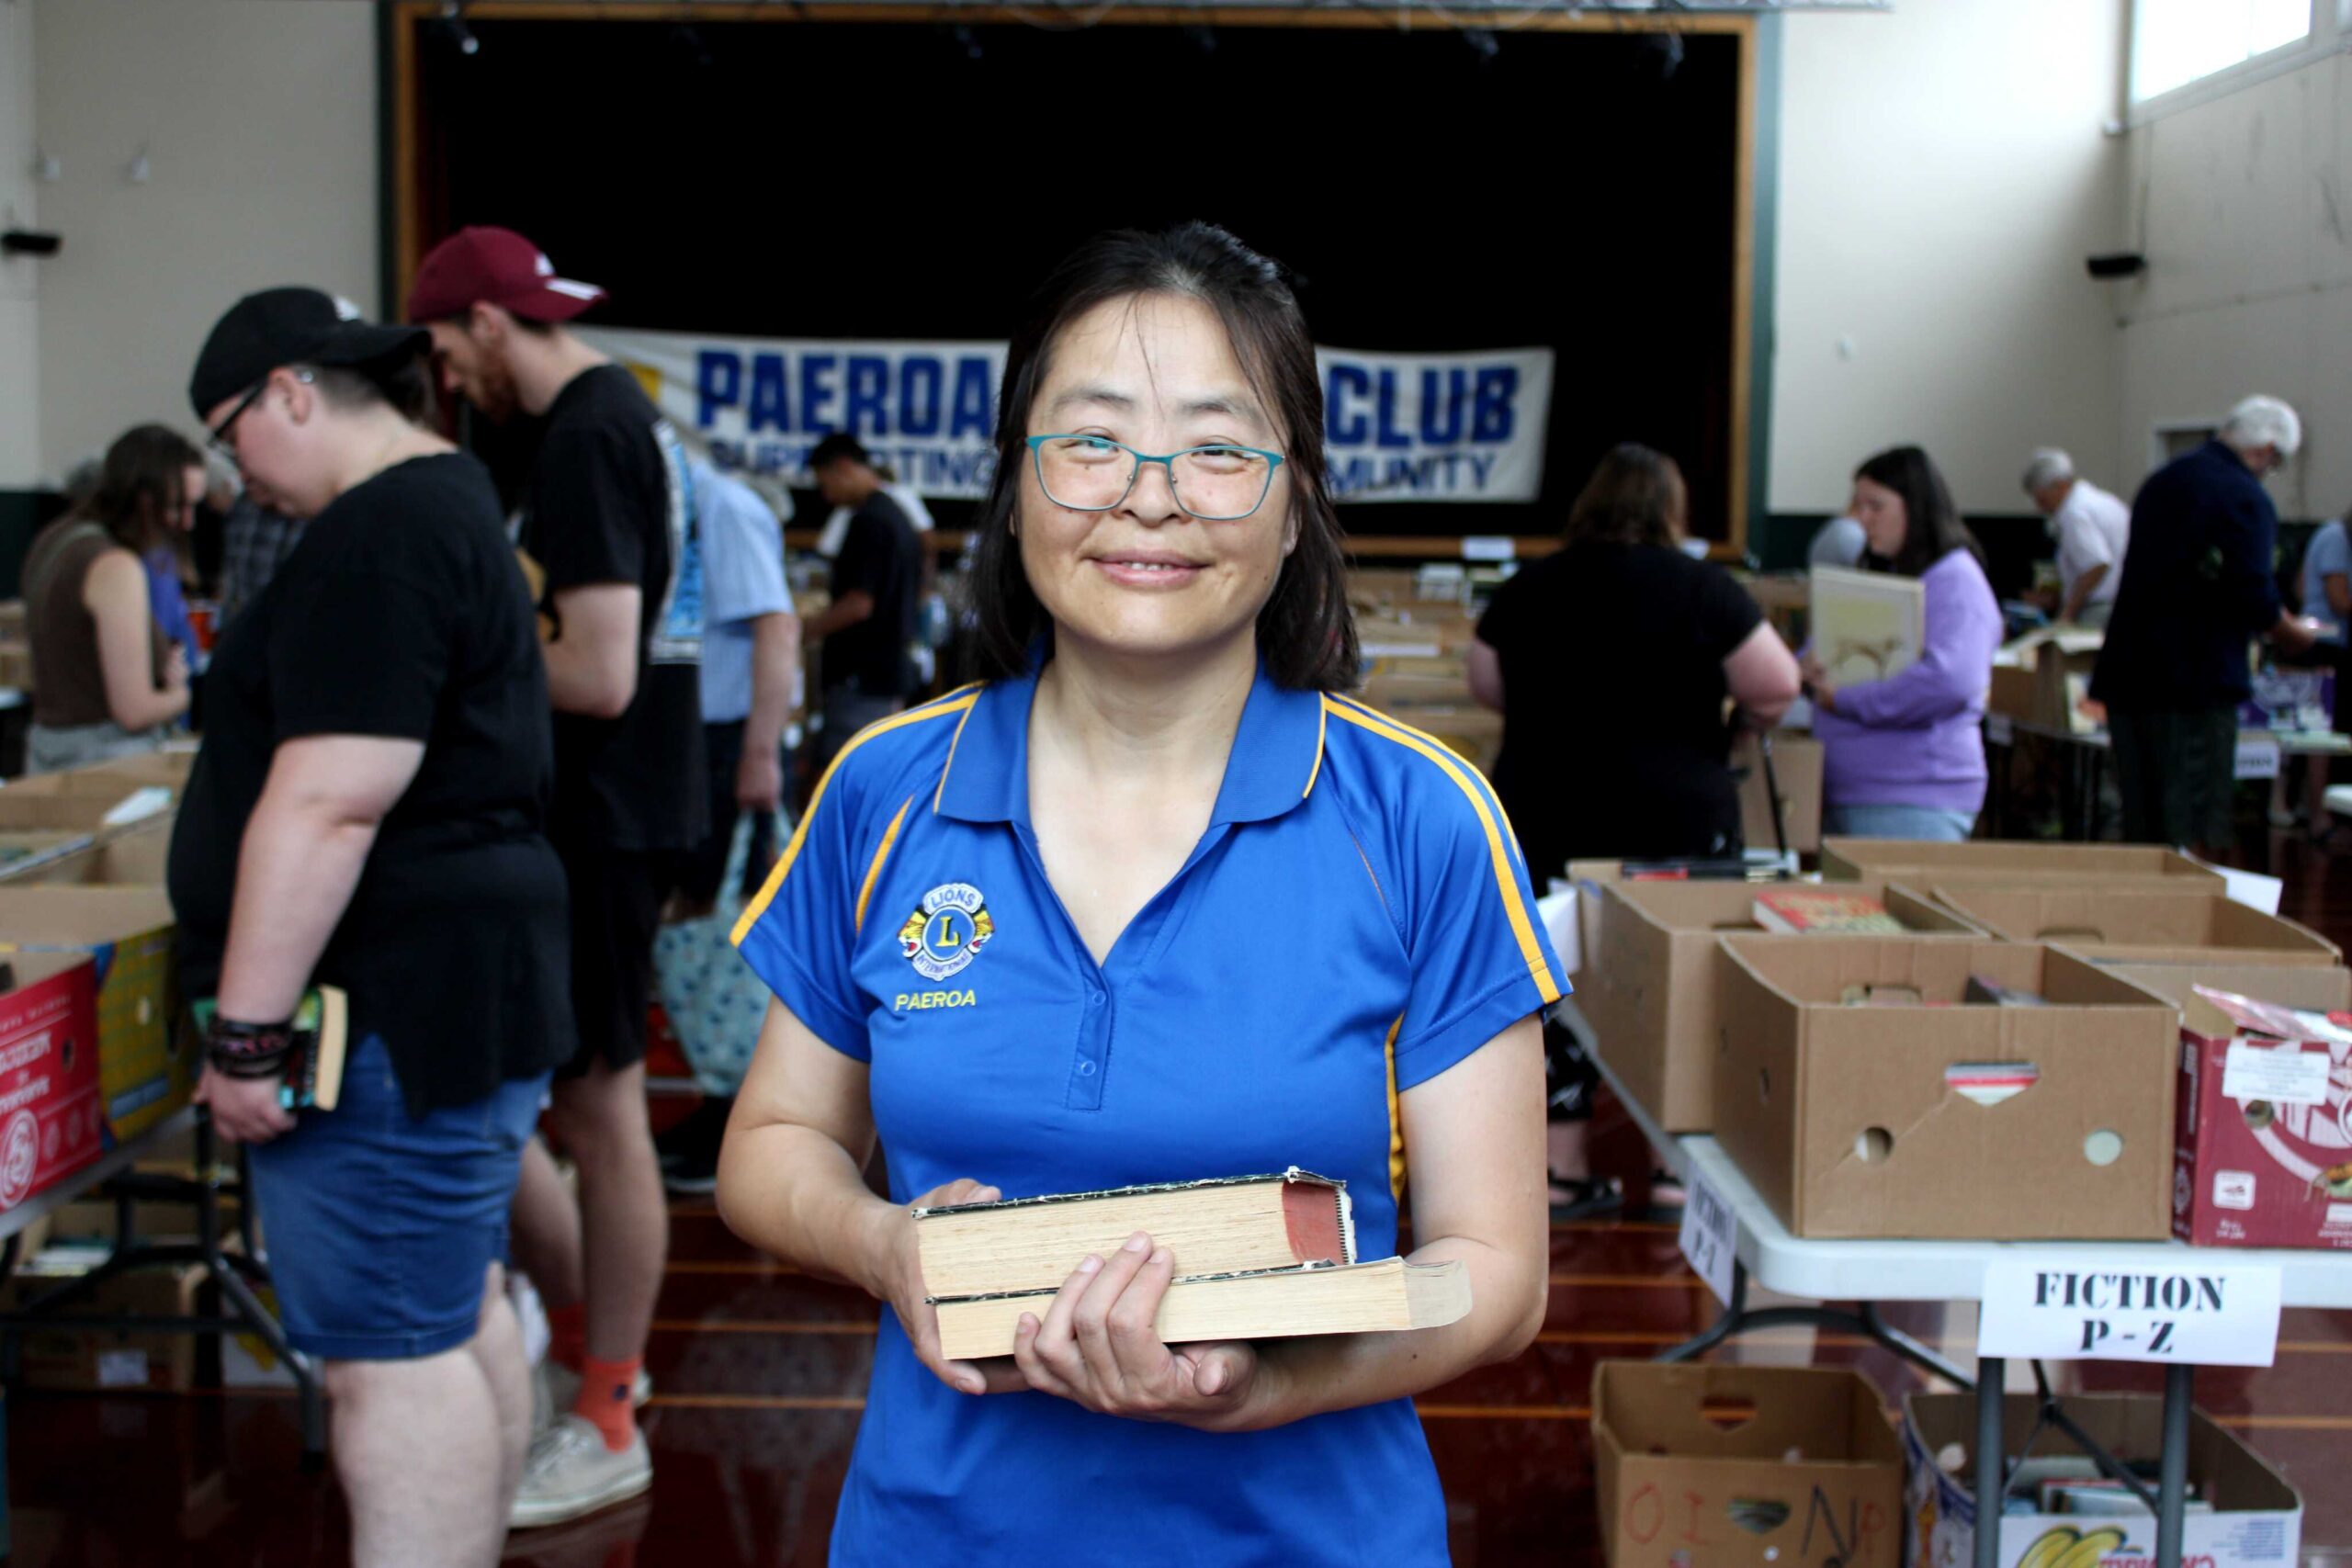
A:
(105, 682)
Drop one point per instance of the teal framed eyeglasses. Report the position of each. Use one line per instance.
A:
(1094, 473)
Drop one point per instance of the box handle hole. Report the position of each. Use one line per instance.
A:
(2103, 1147)
(1873, 1145)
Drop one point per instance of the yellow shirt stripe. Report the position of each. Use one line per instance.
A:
(957, 701)
(1498, 848)
(873, 872)
(1395, 1120)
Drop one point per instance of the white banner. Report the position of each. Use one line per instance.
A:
(1448, 427)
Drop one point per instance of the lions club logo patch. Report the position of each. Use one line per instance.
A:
(947, 930)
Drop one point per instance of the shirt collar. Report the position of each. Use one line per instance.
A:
(1277, 755)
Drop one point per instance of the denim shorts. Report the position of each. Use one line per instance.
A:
(382, 1226)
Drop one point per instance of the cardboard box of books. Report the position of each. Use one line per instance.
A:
(1717, 1466)
(2139, 925)
(51, 1121)
(59, 1356)
(1796, 769)
(146, 1062)
(81, 803)
(2262, 1153)
(1921, 864)
(168, 769)
(138, 857)
(2065, 1514)
(25, 854)
(1956, 1090)
(1649, 989)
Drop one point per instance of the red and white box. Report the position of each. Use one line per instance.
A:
(51, 1114)
(2263, 1155)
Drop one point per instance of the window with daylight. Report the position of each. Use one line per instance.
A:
(2175, 42)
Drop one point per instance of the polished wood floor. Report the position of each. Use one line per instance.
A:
(759, 1375)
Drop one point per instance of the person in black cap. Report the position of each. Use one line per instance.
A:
(367, 813)
(868, 634)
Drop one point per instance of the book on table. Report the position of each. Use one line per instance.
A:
(1257, 1257)
(1815, 911)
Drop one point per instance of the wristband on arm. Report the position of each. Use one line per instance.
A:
(248, 1050)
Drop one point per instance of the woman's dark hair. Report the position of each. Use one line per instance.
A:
(404, 385)
(1634, 497)
(1305, 635)
(140, 485)
(1933, 529)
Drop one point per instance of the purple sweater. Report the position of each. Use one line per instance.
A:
(1917, 739)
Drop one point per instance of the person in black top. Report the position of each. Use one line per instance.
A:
(607, 516)
(2198, 587)
(868, 634)
(1613, 662)
(367, 813)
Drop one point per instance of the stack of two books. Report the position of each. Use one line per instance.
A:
(1257, 1258)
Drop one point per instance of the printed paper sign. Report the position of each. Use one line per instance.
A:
(2257, 757)
(2172, 1309)
(1710, 1236)
(1451, 427)
(2284, 1075)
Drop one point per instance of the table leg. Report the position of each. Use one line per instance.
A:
(2172, 1492)
(1992, 1460)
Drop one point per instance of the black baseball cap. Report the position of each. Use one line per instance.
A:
(292, 326)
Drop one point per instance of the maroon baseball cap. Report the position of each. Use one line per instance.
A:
(494, 266)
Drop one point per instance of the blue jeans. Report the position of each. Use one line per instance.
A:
(382, 1227)
(1897, 822)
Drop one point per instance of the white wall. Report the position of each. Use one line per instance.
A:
(1943, 174)
(2242, 209)
(259, 119)
(19, 277)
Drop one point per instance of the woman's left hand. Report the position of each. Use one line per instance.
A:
(244, 1109)
(1097, 1347)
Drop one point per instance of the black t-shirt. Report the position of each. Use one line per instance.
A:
(879, 556)
(1613, 736)
(607, 502)
(402, 613)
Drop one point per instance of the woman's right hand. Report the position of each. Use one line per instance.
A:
(903, 1269)
(175, 669)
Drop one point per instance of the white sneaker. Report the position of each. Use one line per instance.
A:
(571, 1472)
(555, 1389)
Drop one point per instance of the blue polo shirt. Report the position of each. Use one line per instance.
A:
(1354, 921)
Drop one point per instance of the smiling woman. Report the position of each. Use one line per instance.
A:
(1152, 823)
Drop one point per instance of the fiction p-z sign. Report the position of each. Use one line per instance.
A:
(2197, 1316)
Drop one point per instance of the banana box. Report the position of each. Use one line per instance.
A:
(2256, 1519)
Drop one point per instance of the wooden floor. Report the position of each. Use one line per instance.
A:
(759, 1375)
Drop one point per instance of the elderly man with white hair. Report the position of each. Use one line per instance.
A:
(2092, 529)
(2197, 588)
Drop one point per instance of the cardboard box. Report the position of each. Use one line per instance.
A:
(1796, 767)
(1717, 1466)
(50, 1110)
(2257, 1522)
(1943, 1121)
(1650, 989)
(138, 857)
(169, 768)
(25, 855)
(146, 1063)
(2256, 1172)
(1912, 861)
(59, 1356)
(78, 803)
(2140, 925)
(2012, 693)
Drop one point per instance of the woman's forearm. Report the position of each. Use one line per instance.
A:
(798, 1196)
(296, 874)
(1341, 1372)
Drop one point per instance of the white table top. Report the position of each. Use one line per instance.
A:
(1938, 1270)
(111, 1164)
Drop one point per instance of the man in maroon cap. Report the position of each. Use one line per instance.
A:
(607, 516)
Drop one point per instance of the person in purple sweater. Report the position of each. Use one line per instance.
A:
(1903, 758)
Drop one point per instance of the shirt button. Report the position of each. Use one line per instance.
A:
(1094, 999)
(1086, 1069)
